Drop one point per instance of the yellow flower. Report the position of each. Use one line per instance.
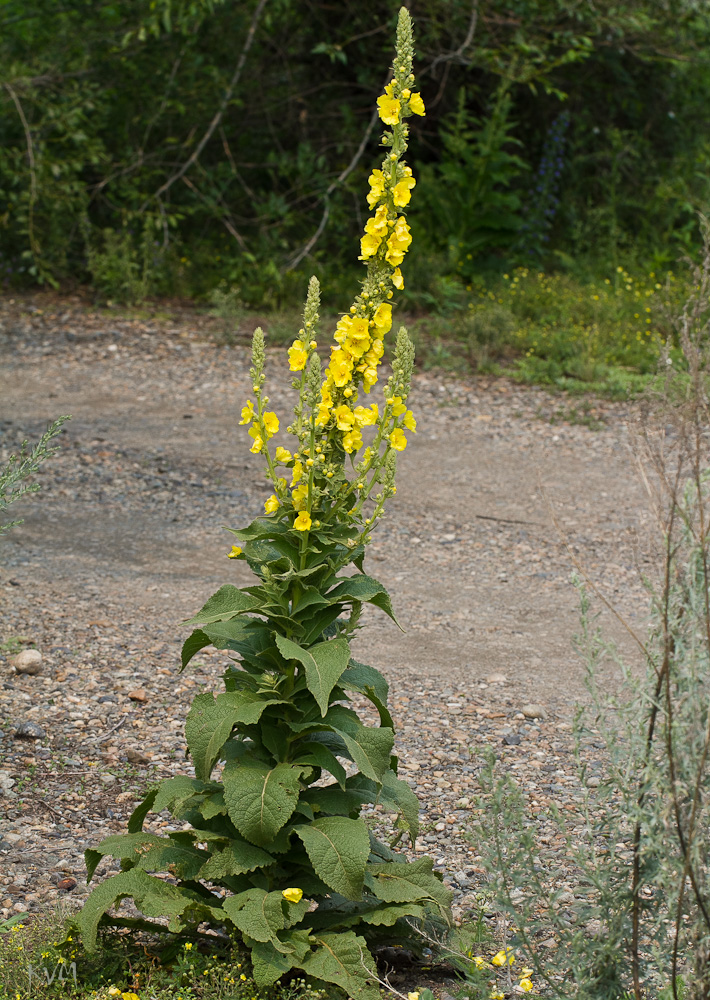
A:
(398, 243)
(340, 368)
(296, 472)
(388, 109)
(398, 279)
(505, 957)
(413, 996)
(271, 424)
(257, 446)
(297, 356)
(398, 407)
(130, 996)
(416, 104)
(352, 441)
(300, 496)
(526, 972)
(478, 961)
(282, 455)
(303, 521)
(525, 984)
(369, 245)
(376, 181)
(409, 422)
(272, 504)
(113, 990)
(398, 440)
(344, 418)
(366, 416)
(234, 554)
(382, 318)
(243, 977)
(188, 946)
(247, 412)
(293, 895)
(496, 995)
(402, 191)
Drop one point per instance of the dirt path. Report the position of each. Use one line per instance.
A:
(126, 539)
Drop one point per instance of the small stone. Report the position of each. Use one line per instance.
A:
(66, 884)
(512, 740)
(29, 661)
(107, 779)
(138, 695)
(30, 731)
(497, 679)
(593, 782)
(463, 803)
(136, 757)
(534, 712)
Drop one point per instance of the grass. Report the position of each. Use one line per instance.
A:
(126, 967)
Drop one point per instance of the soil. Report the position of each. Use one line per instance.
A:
(126, 539)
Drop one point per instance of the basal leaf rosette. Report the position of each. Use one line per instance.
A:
(270, 841)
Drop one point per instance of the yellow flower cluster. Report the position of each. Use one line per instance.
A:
(262, 428)
(503, 959)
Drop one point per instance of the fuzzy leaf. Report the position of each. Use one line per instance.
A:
(152, 896)
(193, 644)
(174, 793)
(343, 959)
(227, 603)
(318, 755)
(257, 913)
(338, 849)
(226, 635)
(398, 794)
(123, 846)
(137, 817)
(261, 799)
(323, 663)
(209, 724)
(370, 749)
(269, 964)
(359, 677)
(363, 588)
(238, 858)
(387, 916)
(412, 882)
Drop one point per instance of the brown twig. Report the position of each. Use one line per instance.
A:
(33, 173)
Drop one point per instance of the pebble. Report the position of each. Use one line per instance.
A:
(30, 730)
(29, 661)
(534, 712)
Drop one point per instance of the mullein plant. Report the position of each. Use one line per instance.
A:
(273, 847)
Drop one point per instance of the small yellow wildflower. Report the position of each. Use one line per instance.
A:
(296, 472)
(271, 505)
(247, 413)
(243, 978)
(376, 181)
(382, 318)
(479, 961)
(300, 496)
(257, 446)
(504, 957)
(271, 424)
(409, 422)
(113, 991)
(524, 973)
(416, 104)
(235, 553)
(130, 996)
(398, 279)
(293, 895)
(413, 996)
(283, 455)
(344, 417)
(303, 521)
(402, 191)
(496, 995)
(525, 984)
(388, 108)
(297, 356)
(398, 439)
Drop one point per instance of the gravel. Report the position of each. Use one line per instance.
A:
(125, 540)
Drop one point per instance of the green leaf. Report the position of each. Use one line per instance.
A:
(225, 635)
(238, 858)
(338, 849)
(343, 959)
(319, 755)
(323, 664)
(209, 724)
(413, 882)
(137, 817)
(193, 644)
(168, 855)
(227, 603)
(152, 896)
(260, 527)
(261, 799)
(123, 846)
(174, 793)
(269, 964)
(398, 794)
(308, 599)
(363, 588)
(369, 748)
(257, 913)
(319, 623)
(360, 677)
(387, 916)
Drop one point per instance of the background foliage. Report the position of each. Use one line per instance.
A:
(163, 146)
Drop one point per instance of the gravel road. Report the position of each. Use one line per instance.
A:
(126, 539)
